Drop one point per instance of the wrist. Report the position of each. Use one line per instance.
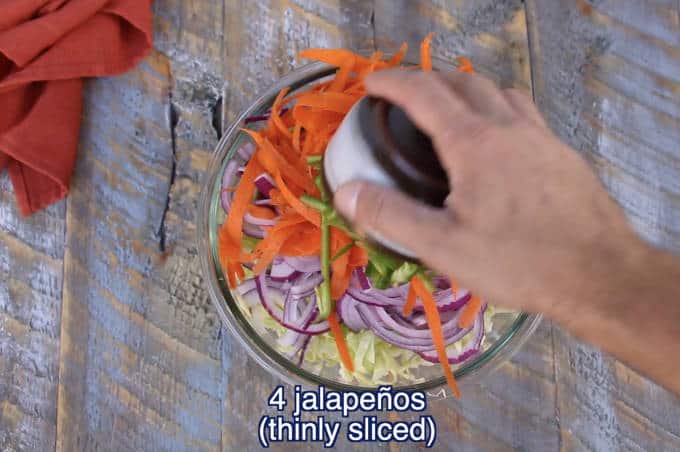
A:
(608, 282)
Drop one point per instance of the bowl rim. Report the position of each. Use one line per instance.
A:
(266, 356)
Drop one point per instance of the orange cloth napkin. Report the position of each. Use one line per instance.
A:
(46, 48)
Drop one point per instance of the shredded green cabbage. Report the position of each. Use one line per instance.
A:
(375, 361)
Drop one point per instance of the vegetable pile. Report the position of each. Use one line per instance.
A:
(285, 249)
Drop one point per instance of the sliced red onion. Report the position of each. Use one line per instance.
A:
(262, 117)
(290, 309)
(364, 283)
(306, 284)
(300, 317)
(446, 301)
(448, 328)
(374, 298)
(246, 151)
(283, 272)
(251, 299)
(227, 182)
(404, 339)
(303, 350)
(394, 292)
(246, 286)
(263, 202)
(266, 222)
(305, 264)
(253, 231)
(471, 348)
(264, 184)
(441, 283)
(277, 313)
(347, 310)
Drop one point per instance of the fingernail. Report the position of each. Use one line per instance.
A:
(345, 199)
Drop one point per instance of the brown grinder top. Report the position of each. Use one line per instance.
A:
(403, 151)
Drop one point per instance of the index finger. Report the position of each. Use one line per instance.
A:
(430, 102)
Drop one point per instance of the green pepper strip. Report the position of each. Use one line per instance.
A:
(313, 159)
(344, 250)
(324, 301)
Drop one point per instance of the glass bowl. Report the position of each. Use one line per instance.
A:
(508, 332)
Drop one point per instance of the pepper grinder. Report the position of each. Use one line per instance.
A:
(377, 142)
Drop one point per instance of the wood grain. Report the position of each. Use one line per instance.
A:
(607, 76)
(31, 254)
(140, 356)
(108, 339)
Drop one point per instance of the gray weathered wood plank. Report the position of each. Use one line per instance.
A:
(140, 364)
(607, 77)
(31, 257)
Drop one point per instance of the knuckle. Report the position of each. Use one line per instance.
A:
(469, 132)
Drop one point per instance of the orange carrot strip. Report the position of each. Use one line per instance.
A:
(399, 56)
(328, 101)
(315, 120)
(261, 212)
(358, 257)
(305, 242)
(274, 163)
(275, 117)
(343, 351)
(342, 76)
(244, 193)
(426, 53)
(410, 300)
(307, 212)
(265, 251)
(434, 322)
(465, 65)
(297, 137)
(467, 317)
(340, 276)
(334, 57)
(271, 250)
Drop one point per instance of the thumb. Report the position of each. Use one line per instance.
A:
(385, 213)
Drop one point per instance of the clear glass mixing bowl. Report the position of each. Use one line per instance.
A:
(508, 333)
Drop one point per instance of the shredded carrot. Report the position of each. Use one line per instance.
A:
(297, 138)
(465, 65)
(343, 351)
(264, 213)
(434, 322)
(410, 300)
(275, 117)
(358, 257)
(315, 120)
(342, 76)
(399, 56)
(272, 161)
(306, 241)
(426, 53)
(329, 101)
(244, 192)
(470, 311)
(334, 57)
(308, 213)
(340, 271)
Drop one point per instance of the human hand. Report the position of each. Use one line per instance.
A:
(527, 221)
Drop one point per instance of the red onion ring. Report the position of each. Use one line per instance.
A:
(277, 313)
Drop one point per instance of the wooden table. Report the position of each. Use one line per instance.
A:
(108, 339)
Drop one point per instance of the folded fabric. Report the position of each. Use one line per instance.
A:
(47, 47)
